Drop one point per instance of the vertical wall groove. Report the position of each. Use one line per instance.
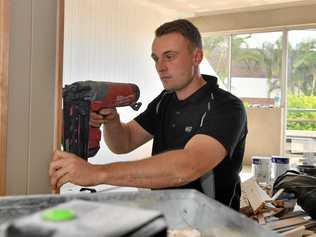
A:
(29, 125)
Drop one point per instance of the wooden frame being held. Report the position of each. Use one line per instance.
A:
(4, 71)
(59, 75)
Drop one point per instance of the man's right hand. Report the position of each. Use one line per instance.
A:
(104, 116)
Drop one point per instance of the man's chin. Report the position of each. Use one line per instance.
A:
(167, 87)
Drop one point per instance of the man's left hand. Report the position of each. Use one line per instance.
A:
(67, 167)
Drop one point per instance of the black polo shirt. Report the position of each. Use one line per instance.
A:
(210, 111)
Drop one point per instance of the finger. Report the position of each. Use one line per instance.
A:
(95, 116)
(96, 123)
(63, 160)
(54, 166)
(56, 191)
(57, 175)
(58, 154)
(96, 120)
(63, 154)
(64, 179)
(106, 112)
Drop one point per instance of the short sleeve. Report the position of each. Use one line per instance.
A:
(148, 118)
(226, 124)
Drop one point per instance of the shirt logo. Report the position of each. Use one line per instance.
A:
(188, 129)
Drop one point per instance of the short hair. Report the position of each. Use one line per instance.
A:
(184, 27)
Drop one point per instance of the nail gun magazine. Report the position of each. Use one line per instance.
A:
(81, 98)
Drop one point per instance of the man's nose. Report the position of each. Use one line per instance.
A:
(161, 66)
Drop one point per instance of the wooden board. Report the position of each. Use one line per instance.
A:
(4, 71)
(59, 75)
(288, 222)
(307, 225)
(256, 196)
(297, 232)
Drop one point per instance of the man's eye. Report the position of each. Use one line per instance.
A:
(155, 59)
(170, 56)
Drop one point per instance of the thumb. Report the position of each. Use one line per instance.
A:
(58, 154)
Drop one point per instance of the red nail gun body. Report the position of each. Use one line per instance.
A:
(79, 99)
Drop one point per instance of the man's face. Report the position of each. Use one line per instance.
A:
(175, 61)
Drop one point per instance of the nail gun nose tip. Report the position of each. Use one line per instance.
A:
(136, 92)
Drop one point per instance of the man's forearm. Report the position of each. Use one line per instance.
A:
(116, 136)
(170, 169)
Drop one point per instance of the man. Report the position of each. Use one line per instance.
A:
(198, 129)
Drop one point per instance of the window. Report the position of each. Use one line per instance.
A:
(251, 66)
(256, 66)
(216, 58)
(301, 93)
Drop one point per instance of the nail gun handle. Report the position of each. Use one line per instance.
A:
(94, 141)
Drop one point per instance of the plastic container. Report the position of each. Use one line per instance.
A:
(279, 166)
(182, 209)
(261, 169)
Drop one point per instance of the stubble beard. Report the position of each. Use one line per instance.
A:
(179, 87)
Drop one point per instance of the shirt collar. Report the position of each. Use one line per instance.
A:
(205, 90)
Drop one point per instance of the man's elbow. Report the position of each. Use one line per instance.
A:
(190, 171)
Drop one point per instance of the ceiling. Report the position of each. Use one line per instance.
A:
(191, 8)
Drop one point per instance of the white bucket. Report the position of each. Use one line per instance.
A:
(261, 169)
(280, 165)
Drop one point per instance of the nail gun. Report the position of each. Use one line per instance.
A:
(81, 98)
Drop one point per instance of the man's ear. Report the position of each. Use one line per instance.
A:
(197, 56)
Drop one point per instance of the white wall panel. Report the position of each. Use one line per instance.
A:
(31, 95)
(110, 40)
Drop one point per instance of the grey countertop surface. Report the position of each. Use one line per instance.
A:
(181, 209)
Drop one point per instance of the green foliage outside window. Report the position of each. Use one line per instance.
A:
(303, 120)
(268, 58)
